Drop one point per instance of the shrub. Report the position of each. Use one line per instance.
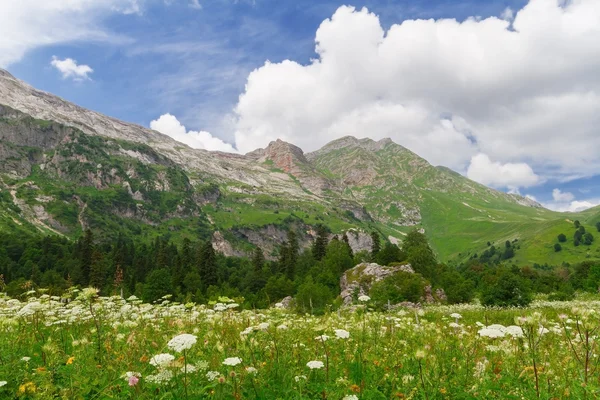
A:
(402, 286)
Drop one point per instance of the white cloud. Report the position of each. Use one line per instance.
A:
(572, 206)
(565, 201)
(562, 197)
(521, 91)
(195, 4)
(169, 125)
(70, 69)
(28, 24)
(511, 175)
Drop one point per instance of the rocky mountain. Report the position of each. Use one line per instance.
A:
(64, 169)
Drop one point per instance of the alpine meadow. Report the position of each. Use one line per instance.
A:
(384, 200)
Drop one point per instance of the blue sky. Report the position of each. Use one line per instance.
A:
(193, 63)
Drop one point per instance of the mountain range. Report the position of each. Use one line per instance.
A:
(64, 169)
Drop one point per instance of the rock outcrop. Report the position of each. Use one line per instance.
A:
(361, 278)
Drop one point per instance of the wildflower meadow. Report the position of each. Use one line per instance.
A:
(82, 346)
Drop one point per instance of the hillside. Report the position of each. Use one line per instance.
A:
(64, 169)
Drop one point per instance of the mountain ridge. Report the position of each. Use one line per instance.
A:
(110, 175)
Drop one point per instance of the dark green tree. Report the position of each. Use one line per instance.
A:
(85, 258)
(389, 254)
(158, 284)
(208, 265)
(319, 247)
(562, 238)
(376, 244)
(557, 247)
(577, 224)
(258, 259)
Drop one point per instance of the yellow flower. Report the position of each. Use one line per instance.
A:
(443, 391)
(27, 388)
(70, 360)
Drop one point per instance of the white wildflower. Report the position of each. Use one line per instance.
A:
(212, 375)
(163, 376)
(182, 342)
(315, 364)
(342, 334)
(251, 370)
(162, 360)
(232, 361)
(364, 298)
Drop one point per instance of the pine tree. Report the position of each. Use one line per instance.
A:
(208, 265)
(97, 270)
(258, 259)
(85, 259)
(376, 246)
(319, 248)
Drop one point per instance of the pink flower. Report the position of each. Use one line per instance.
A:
(133, 380)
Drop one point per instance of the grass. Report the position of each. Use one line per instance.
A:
(108, 347)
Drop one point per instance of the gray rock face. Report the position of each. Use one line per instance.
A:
(362, 277)
(359, 240)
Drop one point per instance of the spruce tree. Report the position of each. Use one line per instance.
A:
(376, 246)
(319, 248)
(208, 265)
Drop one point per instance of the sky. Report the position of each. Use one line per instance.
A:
(505, 92)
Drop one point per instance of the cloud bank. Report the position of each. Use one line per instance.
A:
(521, 89)
(169, 125)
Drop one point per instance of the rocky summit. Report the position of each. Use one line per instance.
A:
(64, 169)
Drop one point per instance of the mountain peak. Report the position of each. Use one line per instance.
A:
(284, 155)
(5, 73)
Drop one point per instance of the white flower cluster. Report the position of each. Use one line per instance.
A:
(182, 342)
(162, 360)
(232, 361)
(315, 364)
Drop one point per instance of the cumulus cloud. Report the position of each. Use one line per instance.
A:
(170, 125)
(195, 4)
(562, 197)
(511, 175)
(565, 201)
(70, 69)
(525, 90)
(28, 24)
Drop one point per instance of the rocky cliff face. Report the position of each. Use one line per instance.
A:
(291, 160)
(119, 170)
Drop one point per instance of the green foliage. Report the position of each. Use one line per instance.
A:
(319, 247)
(562, 238)
(389, 254)
(158, 284)
(557, 247)
(506, 289)
(376, 244)
(401, 286)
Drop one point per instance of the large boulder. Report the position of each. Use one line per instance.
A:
(361, 278)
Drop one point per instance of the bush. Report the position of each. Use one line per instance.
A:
(562, 238)
(402, 286)
(508, 289)
(557, 247)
